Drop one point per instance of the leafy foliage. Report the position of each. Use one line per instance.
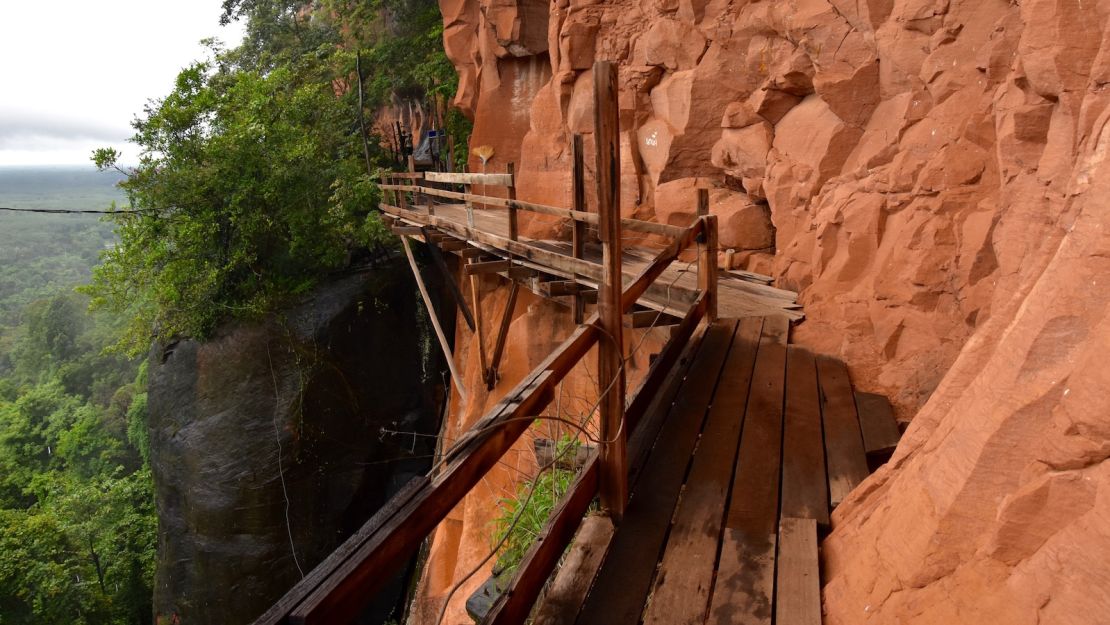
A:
(523, 517)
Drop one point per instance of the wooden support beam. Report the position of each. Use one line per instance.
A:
(578, 236)
(703, 202)
(407, 231)
(611, 375)
(449, 278)
(475, 296)
(473, 252)
(443, 344)
(513, 227)
(648, 319)
(452, 245)
(559, 288)
(707, 264)
(518, 272)
(493, 266)
(502, 334)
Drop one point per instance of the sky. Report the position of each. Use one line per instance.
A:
(74, 73)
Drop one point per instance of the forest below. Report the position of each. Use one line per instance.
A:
(77, 521)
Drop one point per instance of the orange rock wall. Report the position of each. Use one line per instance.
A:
(930, 175)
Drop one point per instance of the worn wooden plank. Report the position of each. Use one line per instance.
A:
(493, 266)
(476, 299)
(798, 584)
(407, 231)
(805, 492)
(610, 353)
(502, 334)
(500, 180)
(777, 327)
(707, 264)
(645, 394)
(745, 578)
(452, 245)
(624, 581)
(513, 606)
(568, 590)
(278, 612)
(876, 421)
(513, 225)
(685, 577)
(559, 288)
(578, 194)
(847, 461)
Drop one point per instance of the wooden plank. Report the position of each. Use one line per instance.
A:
(502, 334)
(798, 584)
(610, 353)
(559, 288)
(847, 461)
(637, 225)
(685, 577)
(404, 175)
(407, 231)
(449, 277)
(707, 264)
(493, 266)
(551, 262)
(476, 298)
(473, 252)
(513, 226)
(645, 394)
(777, 327)
(513, 606)
(281, 609)
(805, 491)
(568, 590)
(343, 594)
(624, 581)
(639, 319)
(452, 245)
(703, 201)
(518, 272)
(500, 180)
(745, 577)
(876, 421)
(578, 193)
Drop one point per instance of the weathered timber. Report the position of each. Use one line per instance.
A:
(805, 493)
(707, 264)
(880, 430)
(847, 461)
(624, 581)
(610, 366)
(639, 319)
(502, 335)
(493, 266)
(685, 577)
(568, 590)
(798, 584)
(407, 231)
(578, 194)
(513, 226)
(499, 180)
(745, 577)
(475, 297)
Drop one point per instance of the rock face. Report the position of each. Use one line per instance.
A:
(930, 174)
(267, 445)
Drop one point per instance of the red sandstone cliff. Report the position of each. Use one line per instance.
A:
(935, 174)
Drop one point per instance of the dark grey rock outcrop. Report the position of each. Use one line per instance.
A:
(268, 440)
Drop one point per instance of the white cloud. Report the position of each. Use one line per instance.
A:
(75, 73)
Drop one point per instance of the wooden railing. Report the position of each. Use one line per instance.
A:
(337, 589)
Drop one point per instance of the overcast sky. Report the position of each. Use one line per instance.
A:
(74, 73)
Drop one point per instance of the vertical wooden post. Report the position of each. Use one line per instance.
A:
(614, 460)
(479, 330)
(512, 196)
(703, 202)
(443, 344)
(707, 264)
(578, 238)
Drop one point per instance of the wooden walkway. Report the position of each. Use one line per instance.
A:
(740, 294)
(731, 483)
